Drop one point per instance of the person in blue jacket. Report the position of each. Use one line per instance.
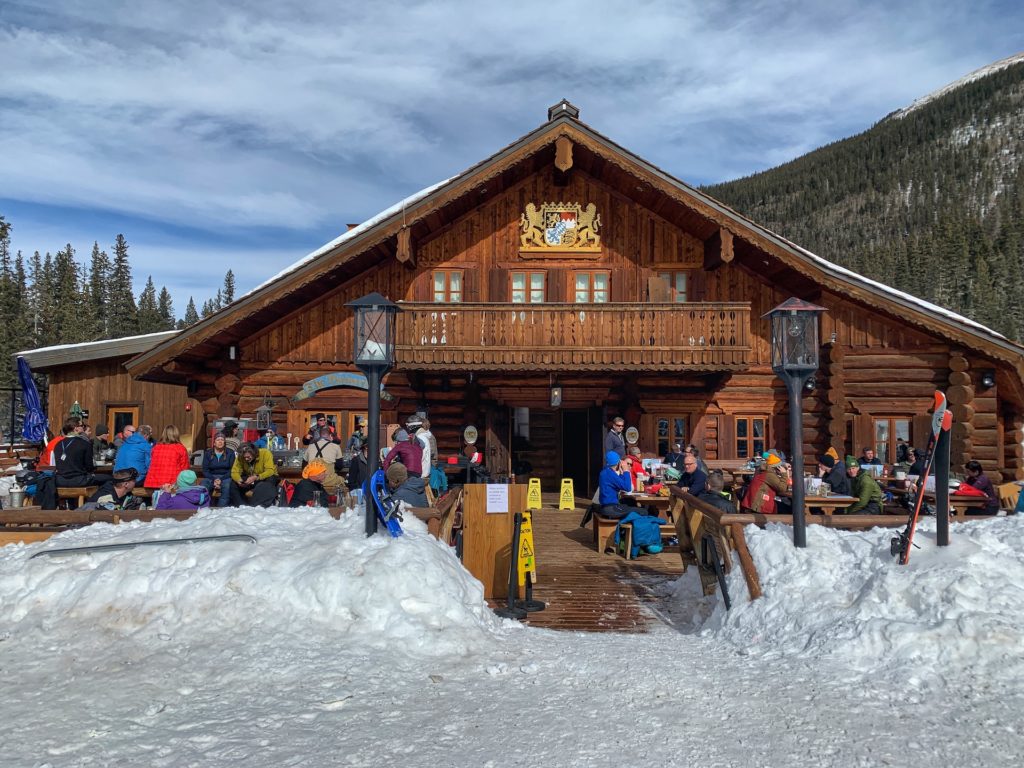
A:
(614, 478)
(134, 453)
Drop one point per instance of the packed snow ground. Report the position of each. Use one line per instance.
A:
(316, 646)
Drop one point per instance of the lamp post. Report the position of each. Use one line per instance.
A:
(374, 354)
(794, 360)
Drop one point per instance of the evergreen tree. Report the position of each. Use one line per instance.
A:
(67, 312)
(165, 308)
(8, 306)
(149, 313)
(228, 291)
(99, 290)
(122, 315)
(191, 316)
(38, 299)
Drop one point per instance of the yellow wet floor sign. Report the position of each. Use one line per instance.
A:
(533, 494)
(566, 497)
(527, 560)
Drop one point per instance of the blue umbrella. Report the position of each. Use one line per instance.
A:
(34, 428)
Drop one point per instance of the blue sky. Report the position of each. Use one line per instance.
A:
(248, 136)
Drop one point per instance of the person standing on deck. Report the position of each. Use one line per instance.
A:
(613, 440)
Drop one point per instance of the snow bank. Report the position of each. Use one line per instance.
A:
(307, 573)
(845, 597)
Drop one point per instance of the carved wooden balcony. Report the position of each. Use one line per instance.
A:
(566, 337)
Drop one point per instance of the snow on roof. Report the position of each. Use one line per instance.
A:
(87, 346)
(977, 74)
(354, 232)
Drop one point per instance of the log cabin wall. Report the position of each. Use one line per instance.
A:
(102, 384)
(874, 366)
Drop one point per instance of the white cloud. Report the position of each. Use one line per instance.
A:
(296, 115)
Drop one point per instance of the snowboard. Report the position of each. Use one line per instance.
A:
(387, 507)
(942, 419)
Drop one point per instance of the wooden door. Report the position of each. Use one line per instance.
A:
(120, 416)
(498, 442)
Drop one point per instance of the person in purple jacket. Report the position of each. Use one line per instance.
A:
(184, 494)
(976, 477)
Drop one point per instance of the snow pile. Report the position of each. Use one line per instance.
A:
(306, 573)
(845, 597)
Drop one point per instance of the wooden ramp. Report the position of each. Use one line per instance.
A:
(588, 591)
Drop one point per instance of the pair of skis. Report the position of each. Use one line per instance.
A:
(942, 419)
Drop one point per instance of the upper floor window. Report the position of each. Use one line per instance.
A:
(448, 285)
(751, 436)
(527, 287)
(591, 287)
(677, 283)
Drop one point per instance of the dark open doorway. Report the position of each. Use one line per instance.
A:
(576, 450)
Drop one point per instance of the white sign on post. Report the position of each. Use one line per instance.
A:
(497, 499)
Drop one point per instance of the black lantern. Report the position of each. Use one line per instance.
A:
(374, 354)
(794, 360)
(265, 414)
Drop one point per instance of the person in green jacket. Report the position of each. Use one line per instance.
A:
(865, 488)
(254, 470)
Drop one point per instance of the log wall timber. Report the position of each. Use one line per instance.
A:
(102, 384)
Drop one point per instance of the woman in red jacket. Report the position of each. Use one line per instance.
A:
(169, 457)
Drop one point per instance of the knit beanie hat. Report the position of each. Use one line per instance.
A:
(833, 453)
(102, 430)
(612, 459)
(851, 461)
(186, 479)
(314, 468)
(773, 459)
(402, 436)
(396, 474)
(827, 461)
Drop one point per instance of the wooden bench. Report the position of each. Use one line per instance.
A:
(700, 518)
(78, 492)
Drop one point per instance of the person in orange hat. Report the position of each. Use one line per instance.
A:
(768, 488)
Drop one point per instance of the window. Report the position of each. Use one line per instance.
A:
(670, 429)
(887, 432)
(120, 416)
(527, 287)
(677, 282)
(448, 286)
(751, 436)
(591, 288)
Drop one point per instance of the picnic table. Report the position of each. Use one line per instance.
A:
(829, 504)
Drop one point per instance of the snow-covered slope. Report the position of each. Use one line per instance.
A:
(969, 78)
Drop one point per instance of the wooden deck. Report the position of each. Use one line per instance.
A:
(588, 591)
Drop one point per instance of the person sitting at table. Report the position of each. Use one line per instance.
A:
(864, 486)
(46, 459)
(254, 470)
(692, 449)
(674, 458)
(183, 493)
(117, 493)
(72, 458)
(100, 444)
(135, 451)
(169, 457)
(768, 488)
(217, 463)
(715, 493)
(869, 458)
(976, 478)
(613, 480)
(406, 486)
(693, 480)
(635, 462)
(917, 468)
(310, 491)
(835, 475)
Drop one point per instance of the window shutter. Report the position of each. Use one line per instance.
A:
(658, 290)
(497, 286)
(617, 289)
(471, 284)
(422, 286)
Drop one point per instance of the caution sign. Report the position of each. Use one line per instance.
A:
(533, 494)
(527, 559)
(566, 497)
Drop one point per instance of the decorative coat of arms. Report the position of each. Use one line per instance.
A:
(560, 226)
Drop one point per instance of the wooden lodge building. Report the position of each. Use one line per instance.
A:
(564, 260)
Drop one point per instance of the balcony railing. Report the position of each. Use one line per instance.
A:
(666, 337)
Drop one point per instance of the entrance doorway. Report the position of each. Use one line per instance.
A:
(581, 443)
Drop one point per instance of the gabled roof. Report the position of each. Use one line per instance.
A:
(62, 354)
(366, 245)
